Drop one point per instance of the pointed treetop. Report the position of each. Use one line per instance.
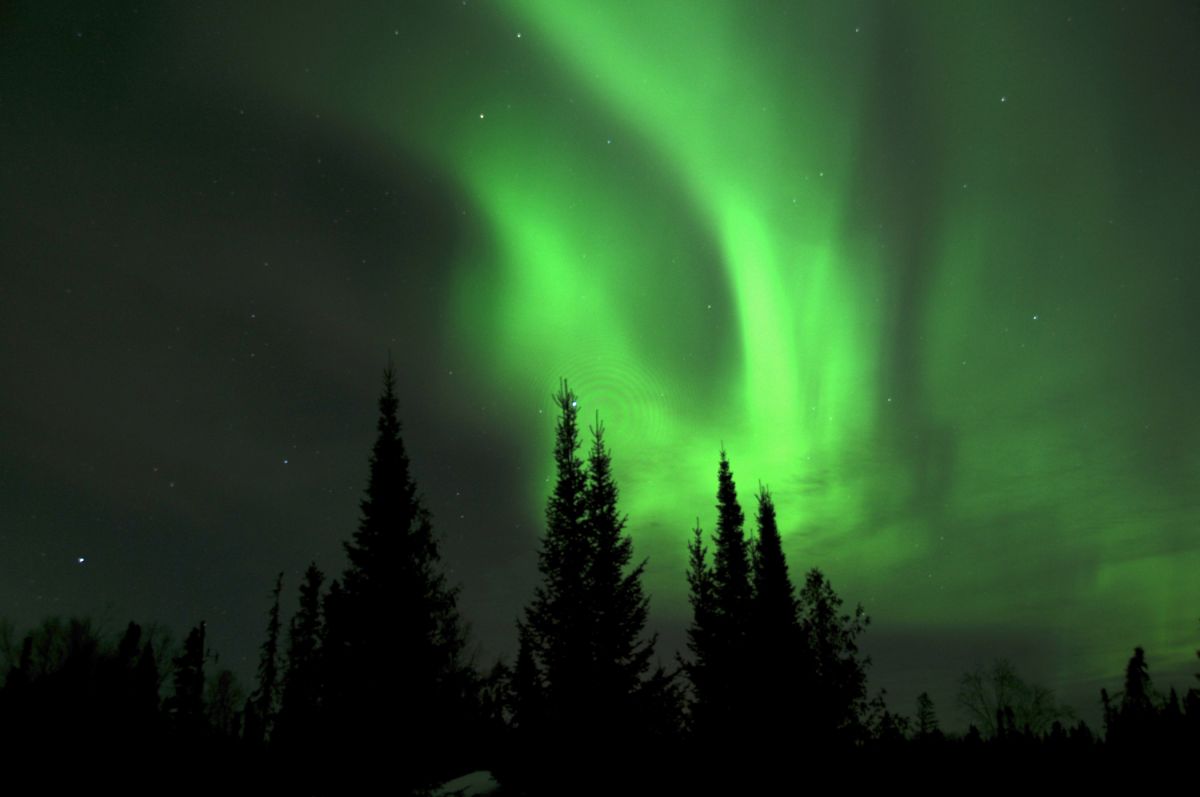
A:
(731, 516)
(388, 403)
(731, 564)
(773, 585)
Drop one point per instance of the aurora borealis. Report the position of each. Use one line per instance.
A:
(928, 270)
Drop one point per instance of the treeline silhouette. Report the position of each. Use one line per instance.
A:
(369, 683)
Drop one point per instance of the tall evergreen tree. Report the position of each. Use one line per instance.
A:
(774, 594)
(527, 691)
(781, 664)
(927, 721)
(837, 691)
(1138, 710)
(1136, 700)
(395, 643)
(143, 702)
(299, 703)
(579, 683)
(555, 635)
(618, 604)
(722, 603)
(699, 669)
(260, 710)
(223, 697)
(186, 706)
(732, 589)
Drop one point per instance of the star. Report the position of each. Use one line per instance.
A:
(1035, 317)
(81, 560)
(1004, 99)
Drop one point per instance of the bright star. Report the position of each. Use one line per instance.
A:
(82, 560)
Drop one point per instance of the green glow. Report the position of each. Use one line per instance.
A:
(712, 221)
(713, 120)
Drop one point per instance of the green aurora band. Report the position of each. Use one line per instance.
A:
(905, 268)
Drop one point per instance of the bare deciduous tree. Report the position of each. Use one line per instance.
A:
(997, 700)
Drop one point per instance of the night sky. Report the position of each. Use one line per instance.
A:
(928, 270)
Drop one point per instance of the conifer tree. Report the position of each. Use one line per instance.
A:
(555, 635)
(1136, 701)
(186, 706)
(731, 561)
(224, 695)
(698, 668)
(836, 698)
(774, 594)
(395, 644)
(732, 596)
(1138, 711)
(721, 670)
(780, 664)
(527, 690)
(927, 721)
(301, 682)
(144, 687)
(579, 684)
(260, 711)
(335, 660)
(618, 604)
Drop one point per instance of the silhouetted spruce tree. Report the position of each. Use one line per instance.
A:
(555, 646)
(721, 630)
(299, 700)
(731, 562)
(1137, 714)
(223, 697)
(618, 605)
(397, 675)
(698, 668)
(1109, 712)
(260, 710)
(527, 691)
(579, 684)
(132, 702)
(927, 721)
(837, 691)
(780, 657)
(186, 706)
(774, 595)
